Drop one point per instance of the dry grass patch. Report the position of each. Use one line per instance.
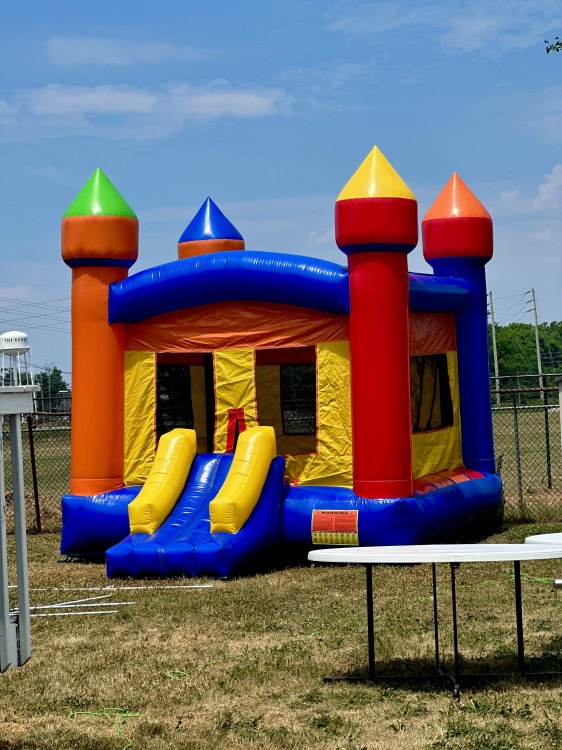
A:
(240, 665)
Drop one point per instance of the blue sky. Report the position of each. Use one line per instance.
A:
(269, 108)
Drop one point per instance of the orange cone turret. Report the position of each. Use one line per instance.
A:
(458, 241)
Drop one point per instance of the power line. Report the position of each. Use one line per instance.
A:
(49, 366)
(28, 303)
(24, 316)
(51, 329)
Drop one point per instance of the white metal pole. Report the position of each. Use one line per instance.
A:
(5, 628)
(21, 542)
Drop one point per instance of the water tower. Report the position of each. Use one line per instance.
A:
(16, 399)
(15, 359)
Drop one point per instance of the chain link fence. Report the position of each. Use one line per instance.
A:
(46, 469)
(527, 443)
(527, 440)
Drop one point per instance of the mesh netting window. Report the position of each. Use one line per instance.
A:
(173, 390)
(430, 393)
(298, 399)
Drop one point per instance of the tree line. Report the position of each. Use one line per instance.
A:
(517, 354)
(53, 393)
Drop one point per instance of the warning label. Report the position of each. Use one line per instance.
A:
(337, 527)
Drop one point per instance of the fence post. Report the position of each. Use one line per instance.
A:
(18, 494)
(547, 441)
(34, 473)
(559, 383)
(522, 509)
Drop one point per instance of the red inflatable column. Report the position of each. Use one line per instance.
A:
(377, 226)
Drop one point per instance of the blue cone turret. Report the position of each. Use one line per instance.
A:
(209, 232)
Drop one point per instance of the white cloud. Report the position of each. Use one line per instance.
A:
(337, 85)
(544, 113)
(463, 26)
(15, 292)
(57, 100)
(6, 110)
(320, 238)
(74, 51)
(333, 76)
(549, 194)
(53, 174)
(123, 111)
(371, 18)
(218, 99)
(547, 200)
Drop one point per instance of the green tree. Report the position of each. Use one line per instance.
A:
(51, 382)
(517, 349)
(555, 46)
(517, 354)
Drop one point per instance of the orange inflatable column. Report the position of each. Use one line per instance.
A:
(99, 242)
(376, 227)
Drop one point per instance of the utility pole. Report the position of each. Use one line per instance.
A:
(537, 344)
(495, 348)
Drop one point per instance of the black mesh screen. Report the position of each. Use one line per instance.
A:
(173, 389)
(298, 399)
(430, 393)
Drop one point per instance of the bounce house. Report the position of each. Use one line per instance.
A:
(233, 403)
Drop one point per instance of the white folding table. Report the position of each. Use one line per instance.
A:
(555, 538)
(454, 554)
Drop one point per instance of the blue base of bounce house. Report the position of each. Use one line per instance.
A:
(282, 517)
(473, 507)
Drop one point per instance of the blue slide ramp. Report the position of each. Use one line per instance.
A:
(184, 544)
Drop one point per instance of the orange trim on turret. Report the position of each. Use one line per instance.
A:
(204, 247)
(111, 238)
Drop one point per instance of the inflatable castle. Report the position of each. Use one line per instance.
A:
(234, 403)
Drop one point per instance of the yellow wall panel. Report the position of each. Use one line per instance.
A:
(234, 389)
(140, 414)
(332, 462)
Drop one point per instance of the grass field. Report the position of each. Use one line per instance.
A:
(240, 665)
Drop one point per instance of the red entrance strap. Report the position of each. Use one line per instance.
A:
(236, 425)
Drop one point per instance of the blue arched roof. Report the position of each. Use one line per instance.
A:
(256, 276)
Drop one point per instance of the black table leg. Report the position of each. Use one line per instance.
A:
(435, 617)
(456, 689)
(370, 621)
(519, 616)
